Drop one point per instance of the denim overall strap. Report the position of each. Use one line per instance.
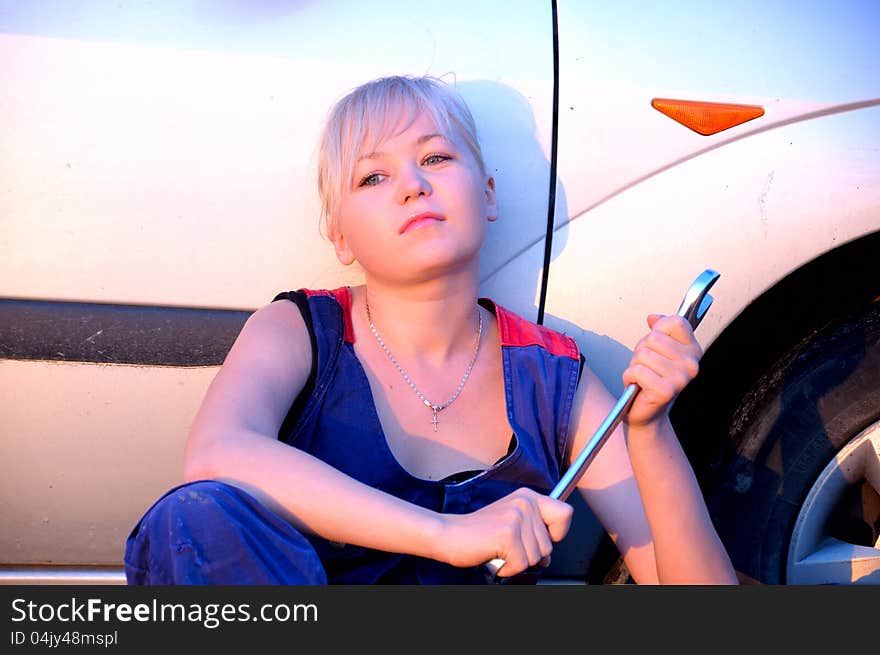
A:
(329, 324)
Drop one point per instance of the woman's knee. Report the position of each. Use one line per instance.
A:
(200, 500)
(196, 526)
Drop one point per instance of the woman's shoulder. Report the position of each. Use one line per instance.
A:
(272, 351)
(277, 324)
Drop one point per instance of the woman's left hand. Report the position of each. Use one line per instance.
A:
(664, 362)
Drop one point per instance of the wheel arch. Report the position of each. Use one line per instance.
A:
(826, 288)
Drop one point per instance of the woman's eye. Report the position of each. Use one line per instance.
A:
(371, 180)
(436, 158)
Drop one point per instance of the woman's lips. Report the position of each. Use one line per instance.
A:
(420, 219)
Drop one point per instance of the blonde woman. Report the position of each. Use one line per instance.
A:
(406, 431)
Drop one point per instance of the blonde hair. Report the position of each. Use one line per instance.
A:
(367, 115)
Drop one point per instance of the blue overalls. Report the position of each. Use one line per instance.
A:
(209, 532)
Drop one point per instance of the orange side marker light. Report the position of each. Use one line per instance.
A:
(706, 117)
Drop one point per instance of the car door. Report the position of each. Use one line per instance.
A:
(157, 166)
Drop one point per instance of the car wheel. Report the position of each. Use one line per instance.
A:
(796, 501)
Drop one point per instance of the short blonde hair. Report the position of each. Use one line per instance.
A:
(367, 115)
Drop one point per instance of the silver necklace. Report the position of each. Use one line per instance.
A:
(435, 409)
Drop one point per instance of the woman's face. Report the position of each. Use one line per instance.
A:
(417, 205)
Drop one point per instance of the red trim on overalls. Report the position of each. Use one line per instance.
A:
(343, 297)
(517, 331)
(514, 329)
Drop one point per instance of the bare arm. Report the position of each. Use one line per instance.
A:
(687, 549)
(641, 485)
(234, 439)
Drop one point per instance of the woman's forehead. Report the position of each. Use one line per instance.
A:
(394, 122)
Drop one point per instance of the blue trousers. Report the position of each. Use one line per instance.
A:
(213, 533)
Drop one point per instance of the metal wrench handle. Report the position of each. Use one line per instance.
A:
(693, 308)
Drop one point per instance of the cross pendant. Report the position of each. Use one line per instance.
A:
(435, 419)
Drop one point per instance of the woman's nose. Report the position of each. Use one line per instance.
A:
(413, 184)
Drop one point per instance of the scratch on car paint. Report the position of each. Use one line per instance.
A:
(762, 201)
(91, 338)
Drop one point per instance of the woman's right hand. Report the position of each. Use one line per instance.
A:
(519, 528)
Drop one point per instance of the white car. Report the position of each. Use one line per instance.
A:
(157, 186)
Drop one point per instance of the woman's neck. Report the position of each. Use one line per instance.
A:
(433, 322)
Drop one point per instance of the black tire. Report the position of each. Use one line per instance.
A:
(812, 402)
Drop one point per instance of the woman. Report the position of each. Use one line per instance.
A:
(363, 435)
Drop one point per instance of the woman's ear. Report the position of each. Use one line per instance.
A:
(340, 245)
(491, 199)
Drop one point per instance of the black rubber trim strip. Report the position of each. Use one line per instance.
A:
(554, 140)
(116, 334)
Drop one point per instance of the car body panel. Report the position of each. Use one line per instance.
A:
(746, 207)
(192, 152)
(86, 448)
(716, 199)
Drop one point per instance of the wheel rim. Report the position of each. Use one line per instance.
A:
(823, 550)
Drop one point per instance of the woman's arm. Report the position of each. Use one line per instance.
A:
(641, 485)
(234, 439)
